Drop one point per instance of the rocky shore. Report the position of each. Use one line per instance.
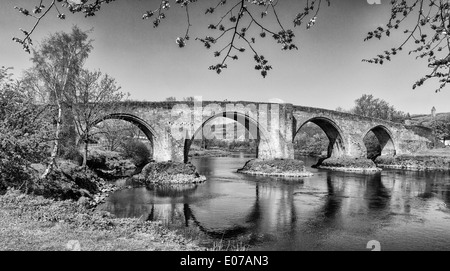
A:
(276, 168)
(414, 162)
(349, 164)
(169, 173)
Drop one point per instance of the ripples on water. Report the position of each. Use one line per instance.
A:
(403, 210)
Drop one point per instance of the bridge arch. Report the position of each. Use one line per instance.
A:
(336, 146)
(385, 140)
(146, 128)
(251, 125)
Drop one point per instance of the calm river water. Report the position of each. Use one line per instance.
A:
(403, 210)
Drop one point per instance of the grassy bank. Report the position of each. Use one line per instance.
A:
(349, 164)
(276, 167)
(35, 223)
(415, 162)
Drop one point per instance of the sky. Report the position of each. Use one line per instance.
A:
(326, 71)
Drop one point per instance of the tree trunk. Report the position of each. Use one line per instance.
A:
(85, 155)
(54, 152)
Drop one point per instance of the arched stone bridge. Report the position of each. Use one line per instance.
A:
(172, 126)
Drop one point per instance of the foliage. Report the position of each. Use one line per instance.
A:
(95, 230)
(441, 129)
(429, 34)
(241, 24)
(430, 161)
(170, 173)
(311, 140)
(113, 132)
(171, 99)
(348, 162)
(247, 145)
(274, 166)
(94, 96)
(56, 65)
(137, 151)
(369, 106)
(73, 154)
(23, 133)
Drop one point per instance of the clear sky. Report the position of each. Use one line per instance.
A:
(325, 72)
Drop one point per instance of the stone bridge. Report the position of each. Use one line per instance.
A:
(172, 127)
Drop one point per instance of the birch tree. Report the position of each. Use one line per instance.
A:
(57, 62)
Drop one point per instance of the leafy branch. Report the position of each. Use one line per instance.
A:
(235, 24)
(429, 37)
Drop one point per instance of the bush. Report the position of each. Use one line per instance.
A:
(73, 154)
(23, 133)
(137, 151)
(348, 162)
(274, 166)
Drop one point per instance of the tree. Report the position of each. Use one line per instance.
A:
(171, 99)
(56, 64)
(372, 107)
(243, 22)
(115, 132)
(23, 132)
(441, 129)
(189, 99)
(94, 96)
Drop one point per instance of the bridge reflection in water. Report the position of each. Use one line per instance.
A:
(331, 210)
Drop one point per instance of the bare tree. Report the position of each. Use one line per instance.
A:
(116, 132)
(94, 96)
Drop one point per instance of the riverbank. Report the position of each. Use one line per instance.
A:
(349, 164)
(211, 153)
(35, 223)
(220, 152)
(275, 168)
(414, 162)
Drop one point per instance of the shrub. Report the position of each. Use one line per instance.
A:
(137, 151)
(23, 133)
(73, 154)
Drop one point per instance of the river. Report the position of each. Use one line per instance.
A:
(402, 210)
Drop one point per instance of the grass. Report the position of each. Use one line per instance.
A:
(35, 223)
(228, 246)
(442, 152)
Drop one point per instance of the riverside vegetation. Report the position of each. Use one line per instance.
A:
(276, 167)
(437, 159)
(61, 208)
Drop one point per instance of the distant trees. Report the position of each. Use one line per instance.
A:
(311, 140)
(189, 99)
(171, 99)
(369, 106)
(185, 99)
(441, 129)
